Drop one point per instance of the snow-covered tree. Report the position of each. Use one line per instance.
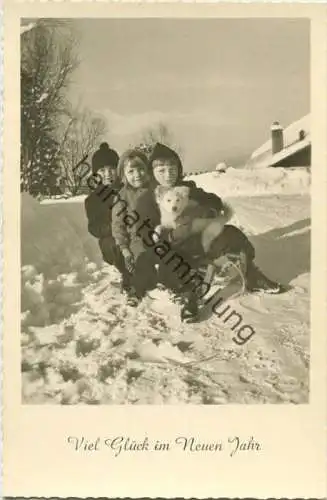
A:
(48, 59)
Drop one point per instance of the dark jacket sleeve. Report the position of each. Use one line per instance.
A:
(207, 200)
(98, 227)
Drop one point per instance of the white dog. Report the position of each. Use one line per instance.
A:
(173, 203)
(178, 210)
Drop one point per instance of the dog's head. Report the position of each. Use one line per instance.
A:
(173, 200)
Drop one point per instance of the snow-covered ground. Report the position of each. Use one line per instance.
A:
(82, 343)
(254, 182)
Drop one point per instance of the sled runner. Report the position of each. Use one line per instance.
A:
(224, 279)
(227, 280)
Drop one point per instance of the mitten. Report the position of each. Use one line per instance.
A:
(129, 260)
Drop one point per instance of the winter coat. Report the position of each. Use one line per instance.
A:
(211, 204)
(131, 208)
(98, 210)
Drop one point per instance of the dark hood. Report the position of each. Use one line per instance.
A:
(162, 152)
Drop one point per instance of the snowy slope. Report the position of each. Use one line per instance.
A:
(81, 342)
(253, 182)
(54, 236)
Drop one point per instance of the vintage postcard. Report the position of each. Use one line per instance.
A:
(164, 250)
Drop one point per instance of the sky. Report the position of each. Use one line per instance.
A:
(218, 84)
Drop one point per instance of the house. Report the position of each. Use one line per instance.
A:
(289, 147)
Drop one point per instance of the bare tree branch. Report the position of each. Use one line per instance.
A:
(160, 133)
(82, 137)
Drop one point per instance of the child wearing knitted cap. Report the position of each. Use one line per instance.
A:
(98, 209)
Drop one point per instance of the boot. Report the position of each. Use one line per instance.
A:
(190, 308)
(256, 281)
(230, 266)
(125, 283)
(133, 299)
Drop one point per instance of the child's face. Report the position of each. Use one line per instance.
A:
(136, 174)
(165, 172)
(108, 174)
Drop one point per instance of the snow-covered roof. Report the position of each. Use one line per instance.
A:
(291, 135)
(290, 150)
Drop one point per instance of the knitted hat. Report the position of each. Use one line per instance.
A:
(103, 157)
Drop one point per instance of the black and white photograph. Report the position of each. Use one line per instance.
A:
(165, 178)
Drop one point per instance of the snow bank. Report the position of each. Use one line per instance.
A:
(62, 199)
(254, 182)
(58, 259)
(55, 238)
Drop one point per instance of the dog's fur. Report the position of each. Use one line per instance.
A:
(177, 209)
(173, 203)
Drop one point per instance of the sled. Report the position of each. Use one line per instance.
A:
(226, 278)
(221, 292)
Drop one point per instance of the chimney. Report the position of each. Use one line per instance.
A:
(277, 141)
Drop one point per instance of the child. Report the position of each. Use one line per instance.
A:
(167, 171)
(104, 156)
(98, 211)
(133, 204)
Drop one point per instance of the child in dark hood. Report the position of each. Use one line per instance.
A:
(167, 171)
(134, 205)
(98, 208)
